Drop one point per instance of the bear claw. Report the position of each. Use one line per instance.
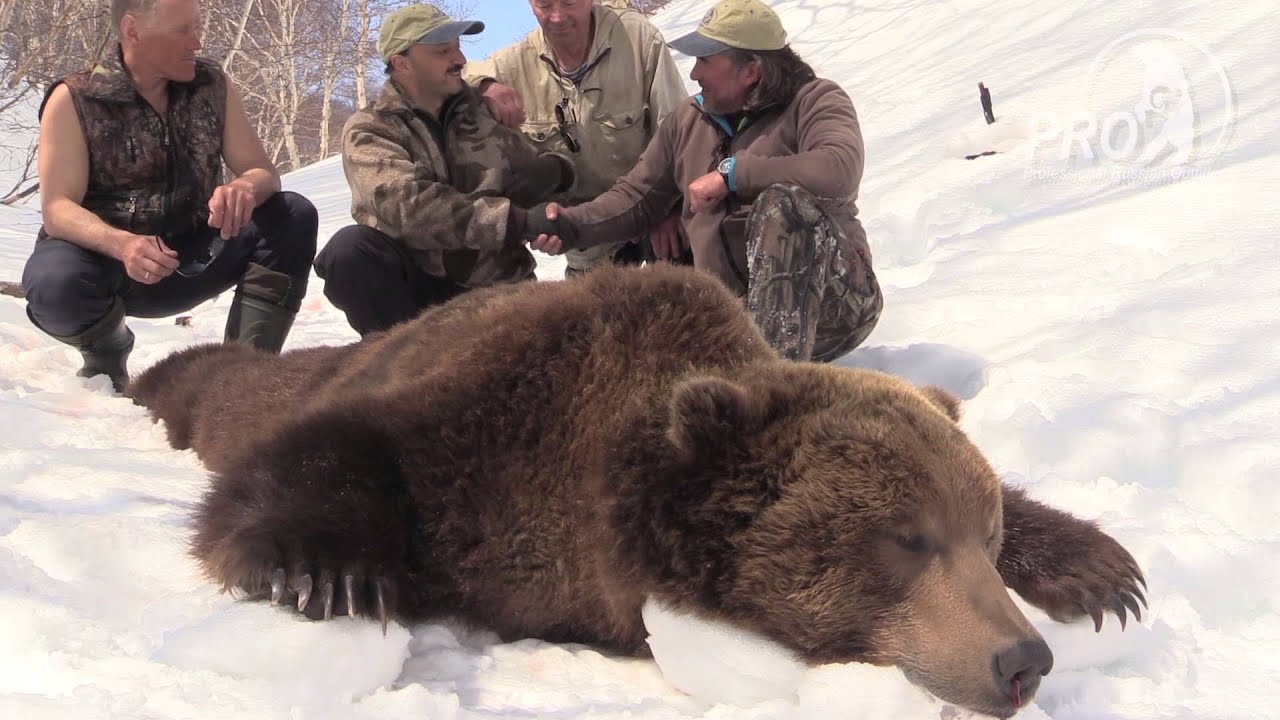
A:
(304, 592)
(277, 586)
(326, 600)
(348, 586)
(1095, 612)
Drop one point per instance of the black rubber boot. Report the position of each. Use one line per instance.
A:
(262, 312)
(105, 347)
(259, 323)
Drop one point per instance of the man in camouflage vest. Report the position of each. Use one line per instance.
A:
(438, 186)
(592, 82)
(768, 158)
(137, 218)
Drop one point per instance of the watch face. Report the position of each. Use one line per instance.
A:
(724, 166)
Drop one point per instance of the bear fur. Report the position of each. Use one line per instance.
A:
(541, 458)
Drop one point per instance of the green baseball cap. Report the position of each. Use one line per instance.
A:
(734, 24)
(424, 24)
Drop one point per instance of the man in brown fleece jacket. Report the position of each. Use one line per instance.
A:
(768, 158)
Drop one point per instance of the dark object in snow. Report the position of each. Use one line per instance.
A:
(12, 289)
(183, 320)
(981, 154)
(984, 95)
(540, 458)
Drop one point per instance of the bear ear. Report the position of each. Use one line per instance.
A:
(946, 402)
(707, 411)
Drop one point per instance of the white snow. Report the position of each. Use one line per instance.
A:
(1115, 335)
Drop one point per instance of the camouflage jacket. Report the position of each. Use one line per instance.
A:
(148, 174)
(631, 83)
(445, 189)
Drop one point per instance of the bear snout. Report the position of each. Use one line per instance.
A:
(1018, 668)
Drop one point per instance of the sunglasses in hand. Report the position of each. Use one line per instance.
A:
(195, 260)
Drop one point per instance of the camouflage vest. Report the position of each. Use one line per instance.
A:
(148, 174)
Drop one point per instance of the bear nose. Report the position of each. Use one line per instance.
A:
(1018, 669)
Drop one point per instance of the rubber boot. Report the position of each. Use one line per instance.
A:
(105, 347)
(259, 323)
(263, 309)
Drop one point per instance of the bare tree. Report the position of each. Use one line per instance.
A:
(330, 68)
(649, 7)
(239, 35)
(39, 42)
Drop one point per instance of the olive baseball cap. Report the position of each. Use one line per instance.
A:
(734, 24)
(424, 24)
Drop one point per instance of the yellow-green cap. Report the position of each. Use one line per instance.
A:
(734, 24)
(420, 24)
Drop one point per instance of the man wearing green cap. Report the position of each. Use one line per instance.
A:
(438, 186)
(591, 81)
(768, 158)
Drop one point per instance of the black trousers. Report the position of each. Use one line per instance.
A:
(70, 288)
(373, 279)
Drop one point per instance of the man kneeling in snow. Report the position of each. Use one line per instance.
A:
(438, 186)
(775, 218)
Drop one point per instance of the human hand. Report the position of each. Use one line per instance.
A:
(504, 103)
(230, 208)
(546, 240)
(666, 239)
(147, 259)
(706, 192)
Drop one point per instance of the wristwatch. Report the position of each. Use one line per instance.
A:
(725, 168)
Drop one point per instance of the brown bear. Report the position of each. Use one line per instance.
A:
(541, 458)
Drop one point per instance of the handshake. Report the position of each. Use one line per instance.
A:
(546, 231)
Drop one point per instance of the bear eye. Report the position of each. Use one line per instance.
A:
(912, 542)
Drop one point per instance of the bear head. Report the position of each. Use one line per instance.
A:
(841, 513)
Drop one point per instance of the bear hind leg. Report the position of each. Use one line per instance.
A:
(317, 516)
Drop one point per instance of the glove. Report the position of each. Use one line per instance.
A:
(536, 223)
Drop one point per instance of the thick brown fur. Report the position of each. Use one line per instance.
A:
(539, 459)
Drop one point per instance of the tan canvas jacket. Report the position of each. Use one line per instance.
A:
(631, 85)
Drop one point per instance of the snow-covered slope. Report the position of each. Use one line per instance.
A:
(1113, 329)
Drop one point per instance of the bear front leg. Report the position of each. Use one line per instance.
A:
(1064, 565)
(317, 514)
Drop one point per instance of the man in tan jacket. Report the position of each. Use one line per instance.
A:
(438, 186)
(768, 158)
(591, 82)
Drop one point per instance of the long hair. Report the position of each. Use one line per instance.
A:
(782, 74)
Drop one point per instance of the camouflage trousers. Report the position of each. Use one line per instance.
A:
(810, 291)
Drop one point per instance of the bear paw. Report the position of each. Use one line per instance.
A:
(316, 518)
(1106, 578)
(320, 573)
(1066, 566)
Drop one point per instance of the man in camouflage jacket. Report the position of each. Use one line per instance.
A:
(438, 186)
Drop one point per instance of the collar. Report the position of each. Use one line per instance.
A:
(110, 81)
(722, 121)
(393, 100)
(606, 21)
